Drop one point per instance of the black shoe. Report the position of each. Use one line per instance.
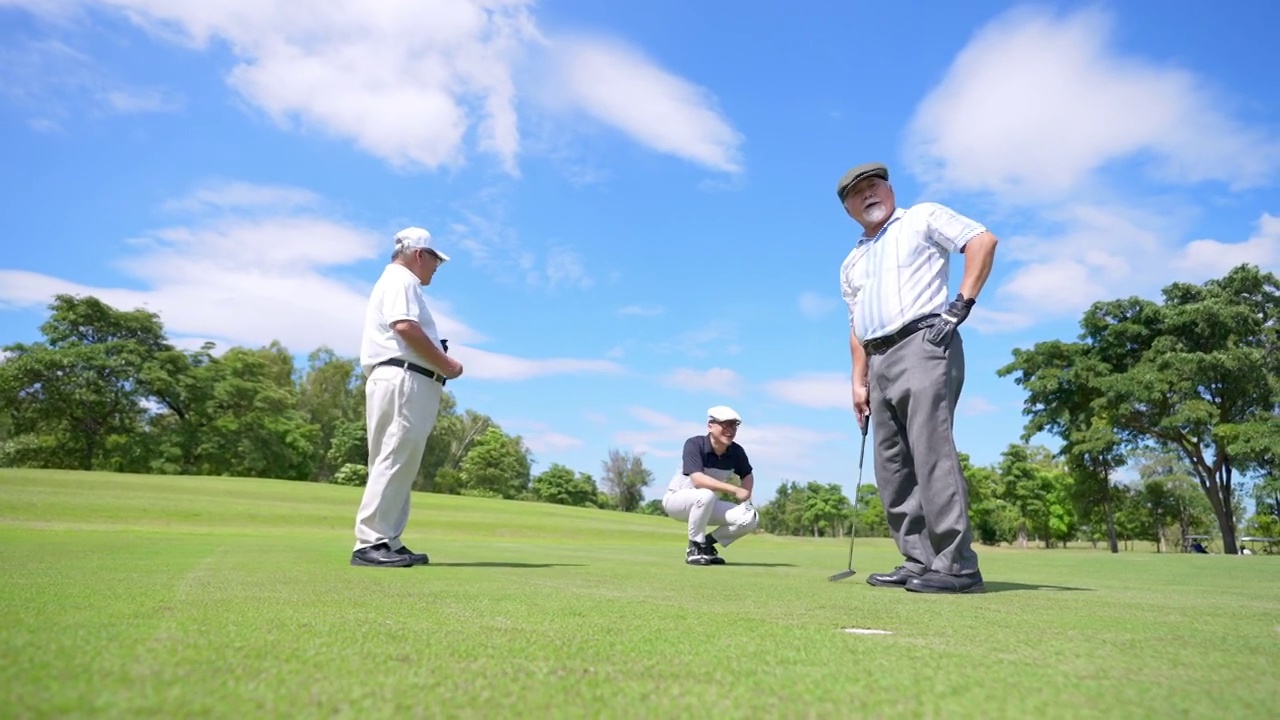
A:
(897, 578)
(696, 555)
(379, 556)
(415, 558)
(936, 582)
(709, 551)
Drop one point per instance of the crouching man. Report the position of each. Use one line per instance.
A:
(691, 495)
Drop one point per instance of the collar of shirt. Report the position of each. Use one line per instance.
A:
(398, 268)
(897, 215)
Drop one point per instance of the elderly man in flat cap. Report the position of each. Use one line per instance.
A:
(406, 365)
(908, 369)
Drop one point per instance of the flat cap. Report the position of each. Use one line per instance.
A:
(857, 174)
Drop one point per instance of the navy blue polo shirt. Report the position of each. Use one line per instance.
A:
(700, 456)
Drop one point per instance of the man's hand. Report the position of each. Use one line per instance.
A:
(955, 313)
(862, 404)
(741, 493)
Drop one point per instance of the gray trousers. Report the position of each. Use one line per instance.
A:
(914, 388)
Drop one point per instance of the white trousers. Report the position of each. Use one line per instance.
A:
(400, 412)
(700, 507)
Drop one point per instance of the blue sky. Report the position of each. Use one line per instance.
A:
(639, 199)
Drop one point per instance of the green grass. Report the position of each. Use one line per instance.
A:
(131, 596)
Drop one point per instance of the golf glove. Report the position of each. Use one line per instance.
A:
(955, 313)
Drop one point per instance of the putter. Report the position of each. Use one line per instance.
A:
(853, 529)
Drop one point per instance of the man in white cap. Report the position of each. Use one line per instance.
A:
(406, 364)
(691, 496)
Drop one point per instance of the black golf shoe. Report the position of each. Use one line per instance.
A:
(696, 554)
(900, 576)
(936, 582)
(379, 556)
(709, 551)
(415, 558)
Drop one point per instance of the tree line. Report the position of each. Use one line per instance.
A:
(104, 389)
(1186, 391)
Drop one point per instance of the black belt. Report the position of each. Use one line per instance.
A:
(875, 346)
(414, 367)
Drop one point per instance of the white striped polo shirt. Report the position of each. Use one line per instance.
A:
(901, 273)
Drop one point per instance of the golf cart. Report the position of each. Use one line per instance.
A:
(1195, 544)
(1270, 546)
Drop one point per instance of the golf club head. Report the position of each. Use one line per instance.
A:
(842, 575)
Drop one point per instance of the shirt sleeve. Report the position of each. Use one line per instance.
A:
(692, 457)
(741, 465)
(404, 302)
(947, 229)
(848, 290)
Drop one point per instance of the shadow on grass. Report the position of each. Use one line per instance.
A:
(504, 564)
(742, 564)
(1011, 586)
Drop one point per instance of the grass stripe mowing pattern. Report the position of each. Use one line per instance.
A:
(152, 596)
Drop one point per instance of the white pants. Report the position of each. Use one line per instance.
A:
(400, 412)
(700, 507)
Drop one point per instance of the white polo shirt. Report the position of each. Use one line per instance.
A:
(901, 273)
(397, 295)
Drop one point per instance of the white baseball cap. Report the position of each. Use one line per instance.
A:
(416, 237)
(723, 412)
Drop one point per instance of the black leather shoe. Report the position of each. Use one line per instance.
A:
(379, 556)
(897, 578)
(936, 582)
(415, 558)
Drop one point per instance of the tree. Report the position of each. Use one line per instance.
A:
(74, 400)
(992, 518)
(624, 478)
(1065, 398)
(1196, 374)
(1026, 487)
(251, 424)
(560, 485)
(330, 395)
(497, 464)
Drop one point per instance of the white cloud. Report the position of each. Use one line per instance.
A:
(775, 451)
(1094, 229)
(641, 310)
(485, 365)
(241, 196)
(1101, 253)
(564, 267)
(813, 305)
(977, 405)
(718, 381)
(489, 237)
(540, 438)
(547, 442)
(1210, 258)
(413, 83)
(616, 84)
(1029, 77)
(820, 391)
(50, 78)
(714, 338)
(135, 101)
(251, 279)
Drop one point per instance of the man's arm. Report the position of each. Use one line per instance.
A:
(703, 480)
(859, 360)
(413, 334)
(979, 255)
